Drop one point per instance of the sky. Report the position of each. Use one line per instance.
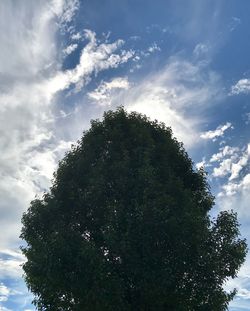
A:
(65, 62)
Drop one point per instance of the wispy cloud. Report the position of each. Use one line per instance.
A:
(173, 95)
(103, 93)
(31, 78)
(94, 58)
(201, 49)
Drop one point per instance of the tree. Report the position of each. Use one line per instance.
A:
(126, 226)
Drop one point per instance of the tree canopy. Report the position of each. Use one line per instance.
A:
(126, 226)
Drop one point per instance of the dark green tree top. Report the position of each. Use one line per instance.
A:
(126, 226)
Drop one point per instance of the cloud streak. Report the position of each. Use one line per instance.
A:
(218, 132)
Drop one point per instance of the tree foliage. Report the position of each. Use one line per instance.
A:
(126, 226)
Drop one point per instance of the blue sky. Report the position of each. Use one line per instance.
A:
(64, 62)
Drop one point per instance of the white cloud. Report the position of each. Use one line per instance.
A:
(153, 48)
(102, 94)
(237, 167)
(242, 86)
(65, 11)
(224, 152)
(26, 41)
(174, 95)
(232, 188)
(30, 143)
(94, 58)
(76, 36)
(232, 161)
(218, 132)
(10, 263)
(223, 169)
(70, 49)
(4, 292)
(10, 268)
(201, 164)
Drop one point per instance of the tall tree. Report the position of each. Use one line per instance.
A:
(126, 226)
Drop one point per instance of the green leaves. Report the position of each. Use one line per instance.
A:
(126, 226)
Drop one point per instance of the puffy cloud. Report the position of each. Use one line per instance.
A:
(232, 161)
(224, 152)
(237, 167)
(233, 188)
(76, 36)
(223, 169)
(218, 132)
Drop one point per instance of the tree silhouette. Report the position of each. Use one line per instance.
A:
(126, 226)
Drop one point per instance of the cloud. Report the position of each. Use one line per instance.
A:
(103, 93)
(65, 11)
(241, 87)
(177, 95)
(27, 37)
(28, 48)
(218, 132)
(247, 118)
(94, 58)
(241, 284)
(224, 152)
(70, 49)
(10, 294)
(76, 36)
(153, 48)
(201, 164)
(31, 144)
(201, 49)
(232, 188)
(237, 167)
(232, 161)
(10, 268)
(4, 292)
(234, 23)
(223, 169)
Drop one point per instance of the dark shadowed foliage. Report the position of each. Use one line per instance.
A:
(125, 226)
